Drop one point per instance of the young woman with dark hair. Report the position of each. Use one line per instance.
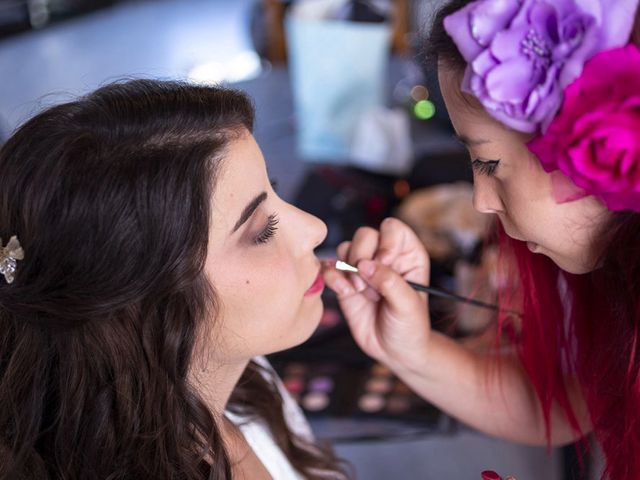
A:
(546, 97)
(147, 265)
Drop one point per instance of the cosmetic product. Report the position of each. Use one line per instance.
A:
(329, 389)
(345, 267)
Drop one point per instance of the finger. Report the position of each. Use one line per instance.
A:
(394, 237)
(399, 295)
(371, 295)
(400, 248)
(336, 281)
(356, 307)
(363, 247)
(343, 250)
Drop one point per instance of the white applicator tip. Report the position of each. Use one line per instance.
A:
(345, 267)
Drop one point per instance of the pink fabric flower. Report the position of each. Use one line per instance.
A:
(595, 138)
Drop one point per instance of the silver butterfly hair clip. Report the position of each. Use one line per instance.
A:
(9, 255)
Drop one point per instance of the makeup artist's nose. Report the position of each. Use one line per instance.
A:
(485, 197)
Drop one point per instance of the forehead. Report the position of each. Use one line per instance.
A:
(242, 176)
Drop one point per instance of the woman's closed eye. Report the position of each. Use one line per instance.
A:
(485, 167)
(268, 231)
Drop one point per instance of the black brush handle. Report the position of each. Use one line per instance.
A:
(452, 296)
(439, 292)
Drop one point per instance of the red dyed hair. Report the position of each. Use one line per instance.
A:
(585, 326)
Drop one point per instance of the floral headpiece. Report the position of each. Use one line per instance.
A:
(562, 69)
(9, 255)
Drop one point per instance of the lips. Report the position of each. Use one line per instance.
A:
(317, 286)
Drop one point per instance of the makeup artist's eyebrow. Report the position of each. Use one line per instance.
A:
(249, 209)
(470, 142)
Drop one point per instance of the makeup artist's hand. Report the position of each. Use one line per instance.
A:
(388, 319)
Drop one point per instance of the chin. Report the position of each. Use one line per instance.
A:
(306, 322)
(573, 267)
(578, 270)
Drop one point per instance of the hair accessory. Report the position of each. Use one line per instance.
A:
(8, 258)
(594, 139)
(522, 54)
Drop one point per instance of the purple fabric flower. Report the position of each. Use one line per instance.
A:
(521, 54)
(594, 138)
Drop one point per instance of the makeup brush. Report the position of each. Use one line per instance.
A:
(345, 267)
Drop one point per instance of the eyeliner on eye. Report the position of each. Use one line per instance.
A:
(269, 230)
(487, 167)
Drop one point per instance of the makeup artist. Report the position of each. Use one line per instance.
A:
(546, 97)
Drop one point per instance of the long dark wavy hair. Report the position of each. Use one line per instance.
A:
(597, 337)
(109, 196)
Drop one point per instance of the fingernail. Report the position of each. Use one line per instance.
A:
(343, 287)
(359, 283)
(366, 268)
(371, 294)
(490, 475)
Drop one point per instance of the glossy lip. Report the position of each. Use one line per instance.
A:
(317, 286)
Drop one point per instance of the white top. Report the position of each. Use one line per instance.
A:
(259, 437)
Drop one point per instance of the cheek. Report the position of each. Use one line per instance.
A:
(529, 207)
(260, 292)
(585, 222)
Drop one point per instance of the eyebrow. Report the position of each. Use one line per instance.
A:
(470, 141)
(248, 210)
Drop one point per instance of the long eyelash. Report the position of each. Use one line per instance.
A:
(274, 184)
(269, 231)
(485, 168)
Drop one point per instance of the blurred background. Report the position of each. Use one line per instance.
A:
(353, 128)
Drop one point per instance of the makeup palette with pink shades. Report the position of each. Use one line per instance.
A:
(333, 389)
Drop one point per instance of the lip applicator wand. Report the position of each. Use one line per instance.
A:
(345, 267)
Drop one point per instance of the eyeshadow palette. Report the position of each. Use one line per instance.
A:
(344, 393)
(332, 389)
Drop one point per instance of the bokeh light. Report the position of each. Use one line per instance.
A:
(424, 109)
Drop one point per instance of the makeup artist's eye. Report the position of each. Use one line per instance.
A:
(269, 230)
(274, 184)
(487, 167)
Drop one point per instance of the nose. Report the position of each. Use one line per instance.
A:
(486, 198)
(312, 230)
